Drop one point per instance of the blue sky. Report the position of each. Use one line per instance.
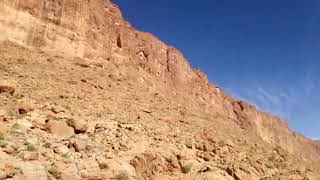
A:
(265, 52)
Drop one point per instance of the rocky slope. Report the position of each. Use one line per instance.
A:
(83, 95)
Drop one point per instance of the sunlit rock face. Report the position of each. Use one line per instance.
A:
(94, 32)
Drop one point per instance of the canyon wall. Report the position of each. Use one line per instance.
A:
(95, 29)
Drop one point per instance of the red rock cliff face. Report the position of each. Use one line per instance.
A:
(95, 29)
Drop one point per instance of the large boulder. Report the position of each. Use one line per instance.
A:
(79, 125)
(60, 129)
(33, 170)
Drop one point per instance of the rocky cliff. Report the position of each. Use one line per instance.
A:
(84, 51)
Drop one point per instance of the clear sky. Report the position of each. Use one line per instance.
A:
(265, 52)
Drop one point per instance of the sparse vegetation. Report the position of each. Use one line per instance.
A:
(1, 136)
(65, 155)
(88, 148)
(15, 147)
(122, 176)
(103, 165)
(71, 123)
(266, 178)
(12, 113)
(186, 169)
(54, 172)
(30, 147)
(46, 145)
(15, 126)
(3, 144)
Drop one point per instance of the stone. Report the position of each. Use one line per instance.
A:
(149, 79)
(8, 150)
(96, 176)
(60, 129)
(57, 109)
(229, 143)
(61, 149)
(191, 165)
(32, 140)
(24, 123)
(78, 145)
(30, 156)
(3, 67)
(11, 171)
(4, 127)
(90, 165)
(3, 174)
(25, 105)
(19, 177)
(80, 126)
(38, 120)
(69, 171)
(91, 128)
(33, 170)
(3, 115)
(3, 144)
(6, 87)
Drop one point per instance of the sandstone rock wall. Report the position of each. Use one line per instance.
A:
(95, 29)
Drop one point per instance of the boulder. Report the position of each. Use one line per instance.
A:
(3, 174)
(24, 123)
(68, 171)
(57, 109)
(33, 170)
(3, 128)
(24, 106)
(118, 165)
(60, 129)
(80, 126)
(38, 120)
(77, 145)
(91, 128)
(7, 87)
(11, 170)
(30, 156)
(190, 166)
(62, 150)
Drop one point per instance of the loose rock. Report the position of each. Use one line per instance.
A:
(7, 87)
(60, 129)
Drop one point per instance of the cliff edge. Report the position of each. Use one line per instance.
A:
(141, 108)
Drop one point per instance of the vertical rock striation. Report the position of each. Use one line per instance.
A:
(95, 29)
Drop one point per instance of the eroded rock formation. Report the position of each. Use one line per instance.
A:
(87, 54)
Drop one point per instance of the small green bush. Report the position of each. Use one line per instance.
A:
(71, 123)
(103, 165)
(187, 168)
(46, 145)
(30, 147)
(54, 172)
(1, 136)
(3, 144)
(15, 126)
(65, 155)
(122, 176)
